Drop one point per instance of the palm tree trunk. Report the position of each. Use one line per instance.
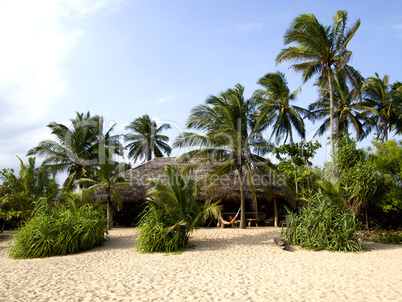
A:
(109, 213)
(242, 201)
(291, 136)
(331, 110)
(296, 184)
(276, 215)
(386, 132)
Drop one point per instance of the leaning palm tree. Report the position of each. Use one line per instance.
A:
(274, 103)
(107, 179)
(75, 148)
(231, 139)
(386, 99)
(349, 111)
(146, 139)
(321, 50)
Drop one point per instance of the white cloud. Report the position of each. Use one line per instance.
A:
(165, 99)
(37, 37)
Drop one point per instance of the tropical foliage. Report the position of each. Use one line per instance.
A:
(174, 210)
(231, 140)
(323, 226)
(386, 99)
(232, 135)
(75, 149)
(274, 105)
(394, 237)
(19, 193)
(349, 110)
(60, 231)
(107, 179)
(145, 139)
(387, 204)
(352, 173)
(296, 166)
(321, 50)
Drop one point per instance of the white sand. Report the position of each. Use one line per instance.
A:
(226, 265)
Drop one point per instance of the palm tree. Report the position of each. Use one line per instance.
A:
(274, 103)
(231, 139)
(319, 50)
(146, 139)
(349, 111)
(75, 149)
(386, 99)
(107, 178)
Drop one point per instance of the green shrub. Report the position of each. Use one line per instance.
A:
(323, 226)
(394, 237)
(156, 236)
(173, 212)
(60, 232)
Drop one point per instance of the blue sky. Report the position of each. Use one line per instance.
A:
(122, 58)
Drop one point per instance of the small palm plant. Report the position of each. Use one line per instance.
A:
(173, 212)
(107, 180)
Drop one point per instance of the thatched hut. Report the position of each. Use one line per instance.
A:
(268, 188)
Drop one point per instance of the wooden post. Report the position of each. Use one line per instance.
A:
(275, 211)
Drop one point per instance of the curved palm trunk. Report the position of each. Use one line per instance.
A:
(242, 201)
(331, 110)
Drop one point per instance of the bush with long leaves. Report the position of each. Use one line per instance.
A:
(60, 231)
(173, 212)
(322, 225)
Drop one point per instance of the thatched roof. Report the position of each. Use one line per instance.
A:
(225, 188)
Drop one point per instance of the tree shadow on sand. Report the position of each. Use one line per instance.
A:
(249, 240)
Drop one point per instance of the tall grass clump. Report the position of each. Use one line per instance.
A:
(174, 210)
(60, 231)
(323, 225)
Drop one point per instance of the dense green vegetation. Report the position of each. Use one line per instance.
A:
(323, 225)
(19, 193)
(394, 237)
(60, 230)
(173, 212)
(233, 134)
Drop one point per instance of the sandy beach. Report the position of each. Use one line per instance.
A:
(224, 265)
